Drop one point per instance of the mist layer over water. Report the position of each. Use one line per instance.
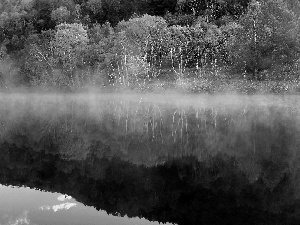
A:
(212, 155)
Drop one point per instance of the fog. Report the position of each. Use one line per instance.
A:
(159, 117)
(169, 98)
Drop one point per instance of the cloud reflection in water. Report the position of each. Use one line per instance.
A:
(20, 220)
(55, 208)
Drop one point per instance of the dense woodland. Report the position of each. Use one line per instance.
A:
(69, 44)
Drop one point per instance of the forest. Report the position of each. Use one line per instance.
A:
(243, 46)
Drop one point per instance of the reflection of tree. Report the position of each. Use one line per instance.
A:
(183, 191)
(150, 133)
(165, 163)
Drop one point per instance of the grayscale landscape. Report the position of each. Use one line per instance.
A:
(149, 111)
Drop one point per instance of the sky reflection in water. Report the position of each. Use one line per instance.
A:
(25, 206)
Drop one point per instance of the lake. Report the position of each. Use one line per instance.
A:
(135, 158)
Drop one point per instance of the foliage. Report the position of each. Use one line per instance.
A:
(43, 10)
(179, 19)
(15, 25)
(213, 9)
(101, 53)
(60, 15)
(149, 37)
(199, 45)
(113, 11)
(160, 7)
(54, 56)
(139, 44)
(268, 37)
(9, 73)
(142, 33)
(70, 40)
(39, 60)
(94, 5)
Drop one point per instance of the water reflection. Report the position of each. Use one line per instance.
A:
(185, 160)
(24, 206)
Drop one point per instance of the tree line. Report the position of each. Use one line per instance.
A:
(70, 43)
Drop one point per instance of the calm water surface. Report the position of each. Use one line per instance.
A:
(191, 159)
(20, 205)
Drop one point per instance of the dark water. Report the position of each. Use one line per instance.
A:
(167, 158)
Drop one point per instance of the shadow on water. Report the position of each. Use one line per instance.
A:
(194, 160)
